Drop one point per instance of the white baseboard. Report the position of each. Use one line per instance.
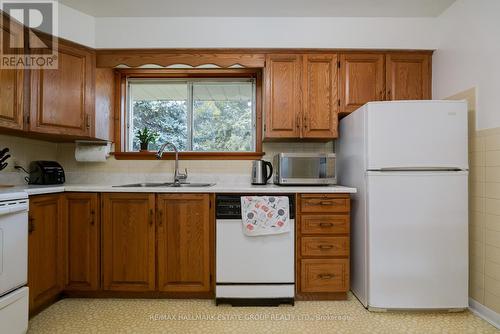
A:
(485, 313)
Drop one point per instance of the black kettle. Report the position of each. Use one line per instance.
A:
(260, 174)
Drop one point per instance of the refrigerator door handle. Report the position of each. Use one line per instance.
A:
(419, 169)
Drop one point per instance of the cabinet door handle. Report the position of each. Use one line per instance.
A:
(92, 217)
(150, 217)
(305, 122)
(326, 224)
(87, 121)
(31, 224)
(160, 218)
(325, 247)
(326, 276)
(298, 121)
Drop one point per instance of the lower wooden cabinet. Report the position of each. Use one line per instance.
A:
(82, 231)
(184, 243)
(128, 242)
(322, 246)
(46, 257)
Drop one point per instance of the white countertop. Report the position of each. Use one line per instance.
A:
(218, 188)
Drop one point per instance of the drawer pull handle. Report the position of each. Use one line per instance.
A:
(326, 276)
(326, 224)
(326, 203)
(325, 247)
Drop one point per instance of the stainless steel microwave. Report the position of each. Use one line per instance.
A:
(304, 169)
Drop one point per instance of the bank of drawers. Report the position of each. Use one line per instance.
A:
(323, 245)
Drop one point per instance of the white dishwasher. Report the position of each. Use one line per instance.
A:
(252, 270)
(13, 262)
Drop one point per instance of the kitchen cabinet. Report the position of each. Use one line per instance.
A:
(323, 246)
(128, 241)
(185, 247)
(408, 76)
(11, 93)
(11, 99)
(320, 96)
(301, 96)
(82, 235)
(46, 256)
(62, 100)
(282, 97)
(362, 80)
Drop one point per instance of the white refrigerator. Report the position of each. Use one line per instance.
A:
(409, 162)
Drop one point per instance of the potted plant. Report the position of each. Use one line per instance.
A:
(145, 137)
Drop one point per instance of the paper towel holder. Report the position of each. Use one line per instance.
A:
(94, 143)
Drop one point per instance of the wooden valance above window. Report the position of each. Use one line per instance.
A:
(168, 57)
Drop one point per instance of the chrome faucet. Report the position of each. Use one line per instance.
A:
(178, 176)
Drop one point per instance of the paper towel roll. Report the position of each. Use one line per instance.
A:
(88, 151)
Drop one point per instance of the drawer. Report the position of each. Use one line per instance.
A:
(324, 224)
(324, 203)
(324, 246)
(324, 275)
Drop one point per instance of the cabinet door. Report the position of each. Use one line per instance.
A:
(408, 76)
(11, 99)
(184, 250)
(128, 242)
(283, 102)
(320, 87)
(11, 95)
(362, 80)
(45, 250)
(62, 100)
(82, 225)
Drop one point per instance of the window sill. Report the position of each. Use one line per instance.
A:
(150, 155)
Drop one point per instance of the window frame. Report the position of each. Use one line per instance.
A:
(121, 104)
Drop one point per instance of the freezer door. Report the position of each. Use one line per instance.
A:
(417, 134)
(417, 240)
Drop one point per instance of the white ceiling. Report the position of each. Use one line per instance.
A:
(260, 8)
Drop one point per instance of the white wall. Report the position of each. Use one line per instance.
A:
(469, 56)
(212, 32)
(76, 26)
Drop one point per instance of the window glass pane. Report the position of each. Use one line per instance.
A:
(223, 116)
(162, 107)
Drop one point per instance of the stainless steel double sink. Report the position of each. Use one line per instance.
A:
(165, 184)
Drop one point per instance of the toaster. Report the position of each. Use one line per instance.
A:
(46, 172)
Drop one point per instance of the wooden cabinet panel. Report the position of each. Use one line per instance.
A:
(324, 246)
(324, 224)
(283, 103)
(11, 99)
(362, 80)
(82, 226)
(408, 76)
(128, 242)
(46, 255)
(62, 100)
(11, 91)
(324, 203)
(184, 250)
(325, 275)
(320, 85)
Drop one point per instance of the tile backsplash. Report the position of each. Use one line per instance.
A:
(120, 171)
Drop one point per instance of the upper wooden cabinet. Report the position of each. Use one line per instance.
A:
(282, 96)
(11, 99)
(62, 100)
(46, 256)
(362, 80)
(301, 96)
(184, 249)
(320, 88)
(82, 233)
(408, 76)
(128, 242)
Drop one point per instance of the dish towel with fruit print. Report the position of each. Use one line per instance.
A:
(265, 215)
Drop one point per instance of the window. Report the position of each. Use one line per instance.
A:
(196, 114)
